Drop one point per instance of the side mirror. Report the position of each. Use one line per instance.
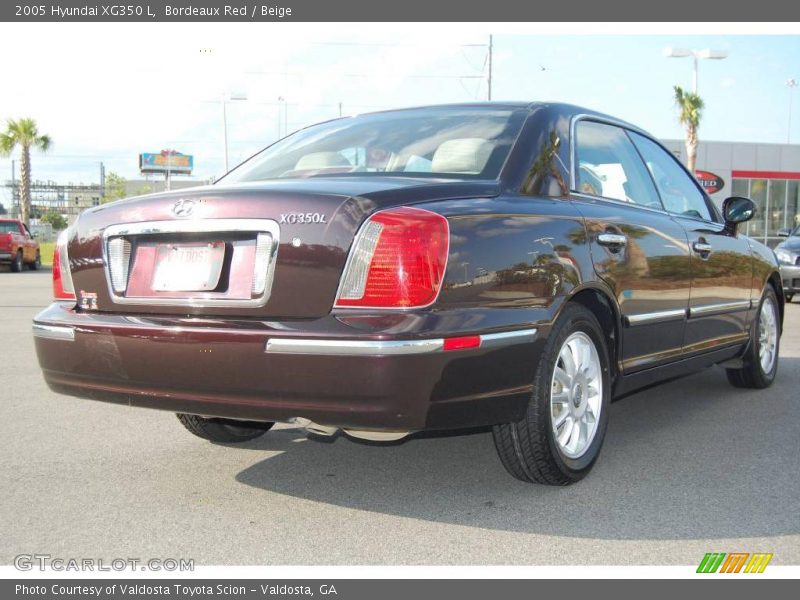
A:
(737, 210)
(784, 232)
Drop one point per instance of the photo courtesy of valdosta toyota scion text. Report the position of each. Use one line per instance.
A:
(297, 298)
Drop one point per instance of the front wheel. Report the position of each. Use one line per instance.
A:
(760, 362)
(226, 431)
(558, 440)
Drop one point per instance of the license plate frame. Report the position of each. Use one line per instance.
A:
(188, 266)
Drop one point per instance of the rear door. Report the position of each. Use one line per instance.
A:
(29, 244)
(638, 249)
(722, 271)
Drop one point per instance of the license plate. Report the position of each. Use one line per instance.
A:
(188, 267)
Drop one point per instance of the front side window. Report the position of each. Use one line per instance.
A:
(679, 193)
(453, 142)
(609, 166)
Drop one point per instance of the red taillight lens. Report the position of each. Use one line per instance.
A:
(62, 279)
(397, 261)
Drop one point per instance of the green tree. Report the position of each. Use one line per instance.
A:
(24, 133)
(690, 111)
(56, 220)
(114, 187)
(3, 210)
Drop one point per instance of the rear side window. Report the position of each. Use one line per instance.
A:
(679, 193)
(609, 166)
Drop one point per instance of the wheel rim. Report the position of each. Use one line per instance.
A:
(767, 335)
(576, 395)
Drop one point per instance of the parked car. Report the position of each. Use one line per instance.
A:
(788, 254)
(508, 265)
(17, 246)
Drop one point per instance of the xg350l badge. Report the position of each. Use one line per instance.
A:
(303, 218)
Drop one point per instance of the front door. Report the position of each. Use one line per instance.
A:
(721, 263)
(638, 249)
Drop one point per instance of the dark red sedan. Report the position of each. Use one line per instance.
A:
(505, 265)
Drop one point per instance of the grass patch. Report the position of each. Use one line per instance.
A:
(46, 250)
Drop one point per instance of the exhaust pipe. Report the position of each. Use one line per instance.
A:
(376, 436)
(361, 434)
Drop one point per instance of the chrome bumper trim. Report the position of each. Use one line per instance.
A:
(352, 347)
(52, 332)
(385, 348)
(490, 340)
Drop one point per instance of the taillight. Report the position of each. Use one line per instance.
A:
(397, 261)
(62, 278)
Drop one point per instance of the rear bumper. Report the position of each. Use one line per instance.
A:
(5, 256)
(384, 373)
(790, 274)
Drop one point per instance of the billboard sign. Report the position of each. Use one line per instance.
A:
(166, 161)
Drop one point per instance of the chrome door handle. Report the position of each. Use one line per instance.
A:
(702, 247)
(612, 239)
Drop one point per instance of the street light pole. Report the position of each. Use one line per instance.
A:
(706, 53)
(225, 98)
(791, 84)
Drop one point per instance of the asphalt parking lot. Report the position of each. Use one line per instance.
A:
(688, 468)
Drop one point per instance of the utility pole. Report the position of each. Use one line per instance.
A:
(489, 79)
(791, 84)
(225, 131)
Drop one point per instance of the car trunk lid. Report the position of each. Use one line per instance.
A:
(268, 250)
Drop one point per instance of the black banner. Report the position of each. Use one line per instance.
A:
(406, 11)
(372, 589)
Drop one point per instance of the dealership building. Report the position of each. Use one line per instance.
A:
(769, 174)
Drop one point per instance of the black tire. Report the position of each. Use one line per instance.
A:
(788, 297)
(16, 264)
(226, 431)
(528, 448)
(36, 264)
(751, 374)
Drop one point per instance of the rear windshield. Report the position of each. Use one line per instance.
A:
(9, 227)
(469, 142)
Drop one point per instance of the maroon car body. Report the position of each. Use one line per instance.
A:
(523, 245)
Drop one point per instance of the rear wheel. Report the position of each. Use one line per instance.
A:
(36, 264)
(228, 431)
(761, 359)
(16, 264)
(559, 439)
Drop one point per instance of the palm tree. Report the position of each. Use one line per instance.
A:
(690, 107)
(25, 134)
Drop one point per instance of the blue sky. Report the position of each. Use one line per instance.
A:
(108, 93)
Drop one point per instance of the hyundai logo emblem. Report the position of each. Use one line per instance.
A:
(183, 208)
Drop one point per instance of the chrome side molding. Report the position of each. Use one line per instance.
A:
(708, 309)
(656, 317)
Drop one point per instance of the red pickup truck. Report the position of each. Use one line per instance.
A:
(17, 246)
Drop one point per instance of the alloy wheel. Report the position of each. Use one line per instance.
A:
(576, 395)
